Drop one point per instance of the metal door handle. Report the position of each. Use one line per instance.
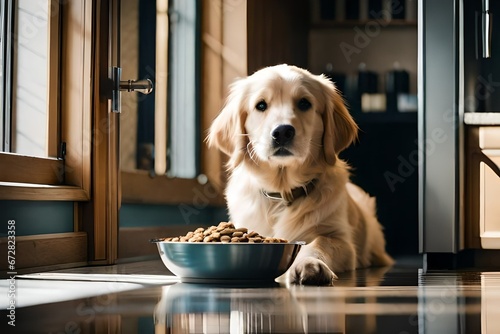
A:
(141, 86)
(486, 29)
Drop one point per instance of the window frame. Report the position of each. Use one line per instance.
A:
(66, 177)
(73, 177)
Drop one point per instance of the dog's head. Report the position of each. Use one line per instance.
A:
(283, 115)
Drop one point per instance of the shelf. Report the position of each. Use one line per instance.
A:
(385, 117)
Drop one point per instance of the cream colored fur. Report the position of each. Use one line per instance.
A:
(337, 219)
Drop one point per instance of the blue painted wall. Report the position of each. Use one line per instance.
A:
(43, 217)
(35, 217)
(141, 215)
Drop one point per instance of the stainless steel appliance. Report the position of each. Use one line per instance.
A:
(459, 132)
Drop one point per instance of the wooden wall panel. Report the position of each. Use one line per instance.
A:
(277, 33)
(45, 250)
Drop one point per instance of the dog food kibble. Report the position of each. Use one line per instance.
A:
(225, 232)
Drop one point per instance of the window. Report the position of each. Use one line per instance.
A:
(29, 126)
(38, 85)
(161, 130)
(184, 89)
(30, 118)
(162, 133)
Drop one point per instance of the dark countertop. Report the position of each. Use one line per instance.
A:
(402, 299)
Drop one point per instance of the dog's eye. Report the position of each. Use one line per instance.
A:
(304, 104)
(261, 106)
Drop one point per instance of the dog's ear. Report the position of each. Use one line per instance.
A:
(340, 130)
(227, 131)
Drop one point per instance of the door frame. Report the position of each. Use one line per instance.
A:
(100, 216)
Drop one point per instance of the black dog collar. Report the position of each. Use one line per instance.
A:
(296, 193)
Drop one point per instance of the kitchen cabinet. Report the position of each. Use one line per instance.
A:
(483, 187)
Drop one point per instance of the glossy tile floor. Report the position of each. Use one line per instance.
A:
(402, 299)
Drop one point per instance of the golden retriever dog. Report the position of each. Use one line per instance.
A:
(283, 129)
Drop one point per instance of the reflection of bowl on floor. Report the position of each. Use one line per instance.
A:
(183, 298)
(227, 262)
(210, 308)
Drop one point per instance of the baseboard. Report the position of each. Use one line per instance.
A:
(482, 259)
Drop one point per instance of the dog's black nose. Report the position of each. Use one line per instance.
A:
(283, 135)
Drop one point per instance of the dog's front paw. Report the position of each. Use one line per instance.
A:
(311, 271)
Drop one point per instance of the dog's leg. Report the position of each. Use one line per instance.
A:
(317, 261)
